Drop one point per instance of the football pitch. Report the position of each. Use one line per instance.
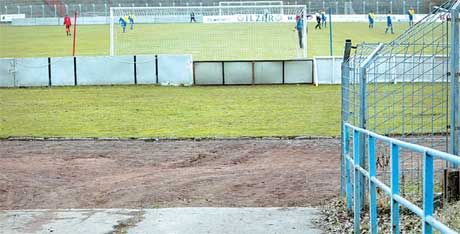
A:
(170, 112)
(150, 111)
(203, 41)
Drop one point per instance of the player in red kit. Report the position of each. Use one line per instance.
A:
(67, 24)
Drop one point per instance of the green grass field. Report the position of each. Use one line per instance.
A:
(152, 111)
(203, 41)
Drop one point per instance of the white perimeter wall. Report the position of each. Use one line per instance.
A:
(241, 18)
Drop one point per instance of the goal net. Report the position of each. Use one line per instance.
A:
(210, 33)
(252, 3)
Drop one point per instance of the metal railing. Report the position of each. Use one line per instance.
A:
(404, 94)
(353, 162)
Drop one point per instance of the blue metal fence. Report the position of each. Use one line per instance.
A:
(407, 89)
(353, 162)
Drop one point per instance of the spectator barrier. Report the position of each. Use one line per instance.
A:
(149, 69)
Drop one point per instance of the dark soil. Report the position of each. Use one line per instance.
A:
(141, 174)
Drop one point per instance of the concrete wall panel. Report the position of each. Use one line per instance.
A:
(105, 70)
(268, 72)
(32, 72)
(208, 73)
(238, 72)
(298, 72)
(175, 69)
(146, 69)
(62, 71)
(6, 75)
(328, 70)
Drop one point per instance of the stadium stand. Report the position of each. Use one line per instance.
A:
(46, 8)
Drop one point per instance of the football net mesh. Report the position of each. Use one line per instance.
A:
(209, 33)
(251, 3)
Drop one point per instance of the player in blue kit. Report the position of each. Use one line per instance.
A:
(389, 24)
(371, 18)
(122, 23)
(299, 28)
(131, 21)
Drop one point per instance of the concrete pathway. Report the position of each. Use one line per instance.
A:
(163, 221)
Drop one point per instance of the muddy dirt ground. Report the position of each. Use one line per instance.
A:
(141, 174)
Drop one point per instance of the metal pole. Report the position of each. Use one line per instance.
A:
(362, 124)
(345, 107)
(455, 75)
(330, 31)
(19, 9)
(31, 11)
(377, 7)
(55, 11)
(336, 7)
(358, 182)
(74, 34)
(391, 7)
(43, 10)
(111, 34)
(6, 10)
(305, 33)
(404, 7)
(364, 7)
(418, 6)
(363, 111)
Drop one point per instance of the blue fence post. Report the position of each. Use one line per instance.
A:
(345, 108)
(363, 111)
(357, 181)
(330, 32)
(429, 222)
(372, 186)
(362, 123)
(346, 152)
(428, 191)
(394, 188)
(455, 75)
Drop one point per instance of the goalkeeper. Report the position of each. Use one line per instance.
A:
(122, 22)
(299, 28)
(67, 23)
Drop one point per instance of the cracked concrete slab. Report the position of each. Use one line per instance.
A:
(166, 221)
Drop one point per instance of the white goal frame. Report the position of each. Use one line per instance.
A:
(113, 21)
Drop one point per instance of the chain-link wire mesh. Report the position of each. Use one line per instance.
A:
(402, 89)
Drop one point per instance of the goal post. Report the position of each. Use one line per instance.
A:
(262, 32)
